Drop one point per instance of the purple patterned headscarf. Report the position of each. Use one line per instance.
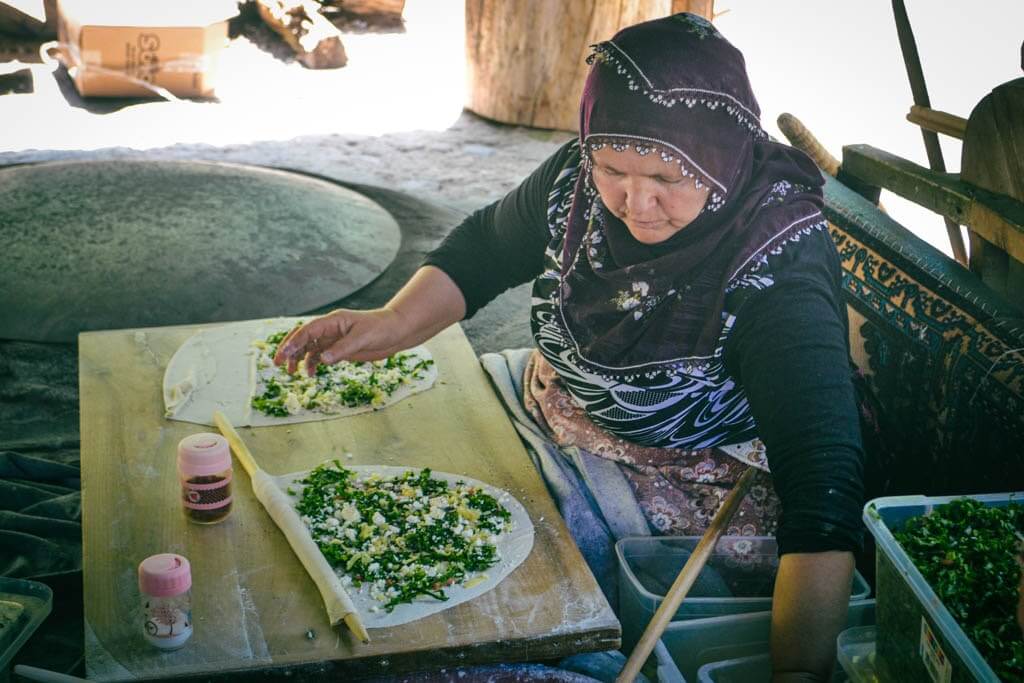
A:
(675, 87)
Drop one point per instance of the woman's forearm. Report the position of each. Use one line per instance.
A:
(812, 594)
(428, 303)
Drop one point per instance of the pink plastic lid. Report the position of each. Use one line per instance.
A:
(164, 575)
(203, 454)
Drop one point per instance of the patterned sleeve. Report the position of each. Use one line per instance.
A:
(502, 245)
(789, 351)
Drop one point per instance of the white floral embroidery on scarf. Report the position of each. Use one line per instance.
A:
(635, 299)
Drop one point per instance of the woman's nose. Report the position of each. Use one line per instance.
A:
(638, 200)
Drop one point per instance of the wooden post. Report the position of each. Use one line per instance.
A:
(526, 60)
(920, 92)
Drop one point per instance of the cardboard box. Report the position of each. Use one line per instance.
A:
(121, 49)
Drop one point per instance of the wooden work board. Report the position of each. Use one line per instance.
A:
(254, 606)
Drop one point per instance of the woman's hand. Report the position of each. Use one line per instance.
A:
(342, 335)
(428, 303)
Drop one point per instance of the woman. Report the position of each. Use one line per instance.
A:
(686, 301)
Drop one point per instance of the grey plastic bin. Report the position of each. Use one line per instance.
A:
(738, 578)
(697, 642)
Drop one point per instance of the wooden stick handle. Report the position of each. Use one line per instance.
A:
(801, 138)
(685, 580)
(938, 121)
(237, 445)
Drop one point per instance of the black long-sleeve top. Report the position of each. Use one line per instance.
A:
(788, 351)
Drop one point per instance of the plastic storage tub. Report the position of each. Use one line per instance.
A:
(739, 670)
(697, 642)
(918, 639)
(855, 649)
(747, 669)
(32, 601)
(738, 578)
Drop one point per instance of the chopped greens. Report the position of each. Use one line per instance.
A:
(402, 537)
(347, 384)
(967, 552)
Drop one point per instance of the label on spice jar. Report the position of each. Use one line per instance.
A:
(935, 660)
(206, 493)
(166, 626)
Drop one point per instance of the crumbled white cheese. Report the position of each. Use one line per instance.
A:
(350, 513)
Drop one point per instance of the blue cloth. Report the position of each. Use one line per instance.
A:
(572, 475)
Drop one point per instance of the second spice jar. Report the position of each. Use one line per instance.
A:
(204, 467)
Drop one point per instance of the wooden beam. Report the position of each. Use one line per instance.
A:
(938, 121)
(997, 218)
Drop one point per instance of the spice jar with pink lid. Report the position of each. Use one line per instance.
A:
(204, 467)
(165, 582)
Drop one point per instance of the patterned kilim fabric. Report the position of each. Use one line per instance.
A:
(942, 354)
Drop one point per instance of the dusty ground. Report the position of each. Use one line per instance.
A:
(391, 118)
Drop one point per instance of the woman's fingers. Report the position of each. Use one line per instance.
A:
(298, 343)
(340, 335)
(313, 357)
(339, 350)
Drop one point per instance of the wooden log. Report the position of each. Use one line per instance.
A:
(389, 8)
(316, 41)
(526, 60)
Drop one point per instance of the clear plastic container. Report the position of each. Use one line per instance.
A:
(917, 636)
(204, 467)
(165, 582)
(855, 649)
(23, 606)
(696, 642)
(747, 669)
(739, 670)
(739, 577)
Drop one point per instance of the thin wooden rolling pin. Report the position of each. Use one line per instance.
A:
(685, 580)
(339, 605)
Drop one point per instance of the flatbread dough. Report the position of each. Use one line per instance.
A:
(513, 547)
(215, 369)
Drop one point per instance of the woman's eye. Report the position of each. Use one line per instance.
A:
(668, 181)
(610, 171)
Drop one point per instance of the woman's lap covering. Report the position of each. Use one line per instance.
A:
(607, 489)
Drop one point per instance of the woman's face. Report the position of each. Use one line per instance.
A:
(650, 195)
